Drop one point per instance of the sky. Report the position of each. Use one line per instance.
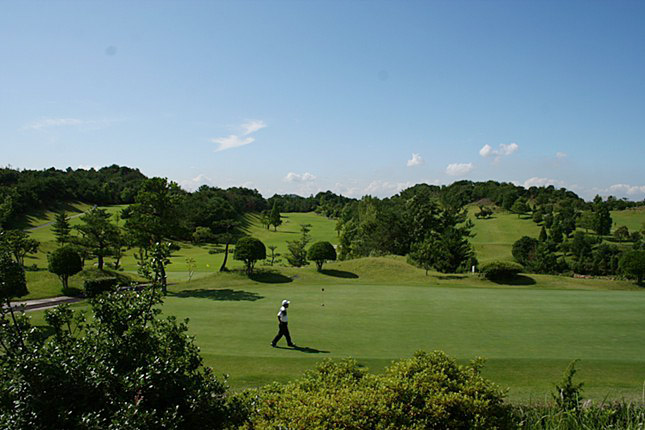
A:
(357, 97)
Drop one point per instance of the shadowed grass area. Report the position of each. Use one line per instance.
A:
(223, 294)
(339, 274)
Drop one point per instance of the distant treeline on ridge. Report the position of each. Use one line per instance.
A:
(25, 191)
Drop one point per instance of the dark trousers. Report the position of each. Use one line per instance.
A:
(283, 330)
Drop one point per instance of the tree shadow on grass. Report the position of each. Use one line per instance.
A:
(270, 277)
(223, 295)
(451, 277)
(339, 273)
(304, 349)
(72, 292)
(514, 280)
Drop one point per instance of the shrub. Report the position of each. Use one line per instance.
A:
(500, 269)
(94, 287)
(429, 390)
(524, 250)
(321, 252)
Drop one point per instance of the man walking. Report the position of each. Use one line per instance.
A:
(283, 325)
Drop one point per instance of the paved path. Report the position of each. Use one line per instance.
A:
(40, 304)
(51, 222)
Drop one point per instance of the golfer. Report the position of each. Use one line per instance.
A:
(283, 325)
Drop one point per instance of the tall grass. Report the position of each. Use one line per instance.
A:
(623, 415)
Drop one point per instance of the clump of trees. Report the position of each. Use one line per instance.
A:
(433, 231)
(124, 367)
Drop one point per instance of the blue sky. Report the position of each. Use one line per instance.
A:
(356, 97)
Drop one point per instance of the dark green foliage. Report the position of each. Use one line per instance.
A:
(249, 250)
(19, 244)
(524, 250)
(274, 217)
(94, 287)
(65, 262)
(12, 278)
(632, 264)
(99, 235)
(543, 236)
(427, 391)
(520, 207)
(203, 235)
(602, 219)
(30, 190)
(297, 255)
(568, 395)
(500, 270)
(423, 255)
(538, 216)
(484, 212)
(320, 252)
(61, 227)
(621, 233)
(124, 368)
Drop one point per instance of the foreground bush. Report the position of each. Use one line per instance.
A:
(500, 270)
(124, 368)
(427, 391)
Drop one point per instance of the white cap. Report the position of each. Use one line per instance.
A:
(285, 302)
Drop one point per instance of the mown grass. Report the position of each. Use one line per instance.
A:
(527, 333)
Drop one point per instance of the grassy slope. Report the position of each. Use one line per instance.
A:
(634, 219)
(495, 236)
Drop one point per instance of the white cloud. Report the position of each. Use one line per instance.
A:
(235, 141)
(416, 160)
(459, 169)
(542, 182)
(630, 190)
(196, 182)
(503, 150)
(91, 124)
(53, 122)
(231, 141)
(296, 177)
(252, 126)
(560, 155)
(486, 150)
(385, 188)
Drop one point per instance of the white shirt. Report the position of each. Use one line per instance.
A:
(283, 315)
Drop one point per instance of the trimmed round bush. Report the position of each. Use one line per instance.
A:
(65, 262)
(501, 269)
(250, 250)
(321, 252)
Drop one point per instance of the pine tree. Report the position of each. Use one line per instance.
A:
(61, 228)
(275, 217)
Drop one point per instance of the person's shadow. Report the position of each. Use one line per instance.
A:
(304, 349)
